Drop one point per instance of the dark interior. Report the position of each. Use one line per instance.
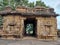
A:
(30, 21)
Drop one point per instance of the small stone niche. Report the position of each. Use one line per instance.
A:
(51, 10)
(21, 9)
(39, 9)
(12, 24)
(8, 9)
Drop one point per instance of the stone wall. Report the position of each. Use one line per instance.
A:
(13, 25)
(46, 26)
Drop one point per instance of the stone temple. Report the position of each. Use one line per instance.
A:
(38, 22)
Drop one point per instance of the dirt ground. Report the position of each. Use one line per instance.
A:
(28, 42)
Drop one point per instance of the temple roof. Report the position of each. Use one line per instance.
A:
(21, 10)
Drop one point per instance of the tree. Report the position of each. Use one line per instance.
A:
(31, 4)
(1, 5)
(1, 21)
(40, 3)
(14, 3)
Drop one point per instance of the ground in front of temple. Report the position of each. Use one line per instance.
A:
(29, 42)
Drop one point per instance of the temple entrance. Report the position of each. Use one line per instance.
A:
(30, 27)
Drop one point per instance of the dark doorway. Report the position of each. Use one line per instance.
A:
(30, 27)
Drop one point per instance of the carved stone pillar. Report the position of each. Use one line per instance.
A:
(54, 27)
(22, 27)
(38, 27)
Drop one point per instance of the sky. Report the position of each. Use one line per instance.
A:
(54, 4)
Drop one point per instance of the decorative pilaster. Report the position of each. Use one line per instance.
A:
(54, 27)
(38, 27)
(22, 27)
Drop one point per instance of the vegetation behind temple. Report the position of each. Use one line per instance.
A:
(1, 22)
(14, 3)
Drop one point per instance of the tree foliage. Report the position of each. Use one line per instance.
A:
(1, 22)
(39, 3)
(14, 3)
(31, 4)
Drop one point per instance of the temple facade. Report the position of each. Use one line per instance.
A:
(38, 22)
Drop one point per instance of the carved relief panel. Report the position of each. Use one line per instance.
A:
(12, 24)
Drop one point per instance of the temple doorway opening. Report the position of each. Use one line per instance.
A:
(30, 27)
